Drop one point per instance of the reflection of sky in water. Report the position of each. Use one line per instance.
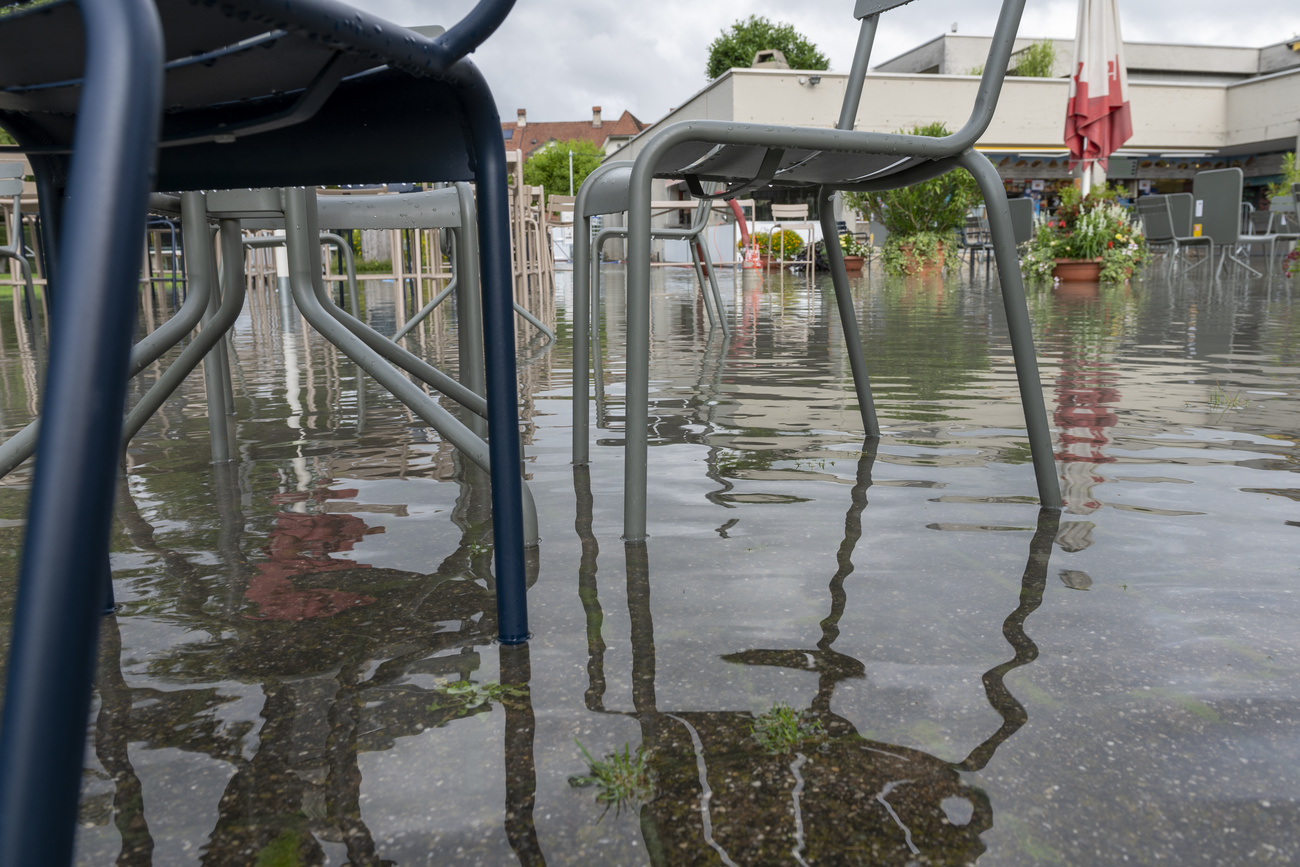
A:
(1161, 703)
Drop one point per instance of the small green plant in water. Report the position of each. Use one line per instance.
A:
(1221, 399)
(619, 777)
(783, 729)
(466, 696)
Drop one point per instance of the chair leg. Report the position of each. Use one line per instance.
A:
(699, 280)
(597, 320)
(60, 588)
(213, 385)
(501, 376)
(848, 318)
(637, 389)
(1019, 326)
(582, 328)
(469, 306)
(713, 288)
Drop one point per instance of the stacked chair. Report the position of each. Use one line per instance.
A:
(745, 156)
(267, 100)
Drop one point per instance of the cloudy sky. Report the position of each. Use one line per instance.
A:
(558, 58)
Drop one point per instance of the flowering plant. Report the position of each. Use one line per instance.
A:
(1093, 227)
(776, 242)
(851, 246)
(1291, 266)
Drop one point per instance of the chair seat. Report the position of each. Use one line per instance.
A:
(797, 167)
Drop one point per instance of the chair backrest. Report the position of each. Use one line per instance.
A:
(11, 179)
(1282, 215)
(1181, 207)
(1022, 218)
(1217, 205)
(1157, 221)
(789, 212)
(995, 66)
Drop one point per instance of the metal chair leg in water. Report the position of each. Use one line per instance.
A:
(60, 588)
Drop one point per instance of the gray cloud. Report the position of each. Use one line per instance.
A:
(558, 59)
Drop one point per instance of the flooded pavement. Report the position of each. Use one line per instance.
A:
(831, 651)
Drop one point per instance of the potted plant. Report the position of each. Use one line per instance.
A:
(776, 246)
(1089, 238)
(855, 252)
(922, 220)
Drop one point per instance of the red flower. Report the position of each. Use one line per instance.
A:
(1110, 244)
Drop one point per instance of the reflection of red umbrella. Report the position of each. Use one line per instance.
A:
(1097, 119)
(301, 545)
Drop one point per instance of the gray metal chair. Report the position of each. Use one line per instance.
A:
(1162, 227)
(743, 156)
(1217, 210)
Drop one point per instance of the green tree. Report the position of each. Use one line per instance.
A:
(1036, 61)
(549, 166)
(737, 47)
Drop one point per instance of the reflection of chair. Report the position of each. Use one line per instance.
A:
(1217, 196)
(744, 156)
(697, 754)
(259, 93)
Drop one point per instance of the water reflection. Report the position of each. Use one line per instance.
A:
(383, 725)
(841, 795)
(346, 659)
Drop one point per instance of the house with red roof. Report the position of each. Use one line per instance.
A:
(608, 135)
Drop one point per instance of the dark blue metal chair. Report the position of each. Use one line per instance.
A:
(257, 93)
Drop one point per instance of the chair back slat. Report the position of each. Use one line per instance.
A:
(1181, 206)
(1022, 218)
(1217, 204)
(1157, 221)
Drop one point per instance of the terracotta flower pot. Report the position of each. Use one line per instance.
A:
(853, 264)
(915, 267)
(1082, 270)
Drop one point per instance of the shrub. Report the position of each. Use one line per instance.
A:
(934, 209)
(771, 244)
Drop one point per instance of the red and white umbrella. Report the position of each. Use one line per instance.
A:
(1097, 119)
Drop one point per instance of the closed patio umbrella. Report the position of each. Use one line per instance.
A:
(1097, 119)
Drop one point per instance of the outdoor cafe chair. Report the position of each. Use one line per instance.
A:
(1216, 211)
(1162, 227)
(795, 218)
(259, 93)
(11, 187)
(745, 156)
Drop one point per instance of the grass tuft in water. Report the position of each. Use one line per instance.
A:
(783, 729)
(1223, 399)
(619, 777)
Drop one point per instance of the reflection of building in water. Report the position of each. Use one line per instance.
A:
(300, 545)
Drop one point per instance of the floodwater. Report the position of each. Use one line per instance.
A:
(303, 668)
